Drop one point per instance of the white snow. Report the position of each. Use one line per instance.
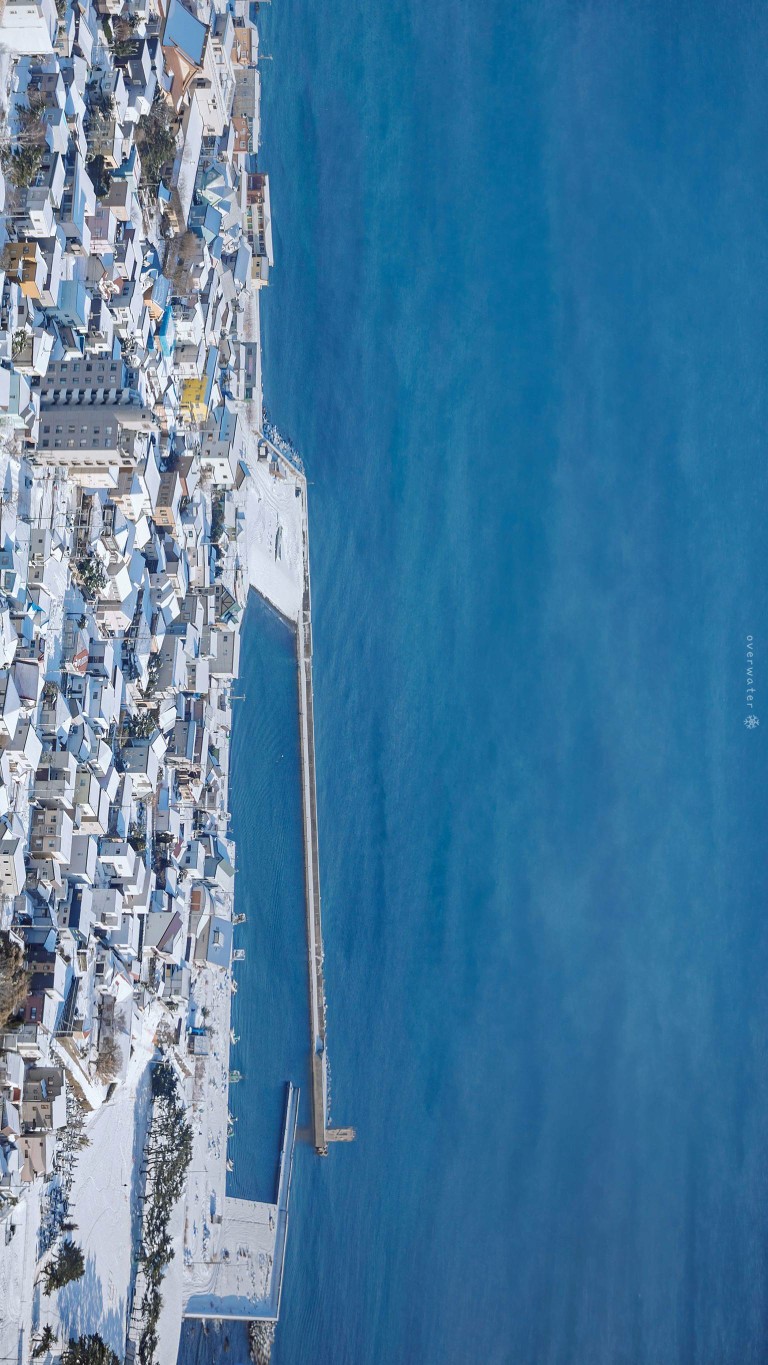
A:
(238, 1273)
(7, 68)
(103, 1205)
(208, 1248)
(18, 1253)
(169, 1325)
(274, 530)
(206, 1182)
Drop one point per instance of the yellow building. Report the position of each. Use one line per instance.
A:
(197, 394)
(193, 404)
(25, 262)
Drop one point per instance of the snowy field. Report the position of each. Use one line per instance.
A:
(274, 533)
(206, 1182)
(17, 1274)
(105, 1206)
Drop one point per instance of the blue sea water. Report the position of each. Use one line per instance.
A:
(269, 1011)
(518, 327)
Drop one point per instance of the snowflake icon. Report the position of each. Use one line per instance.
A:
(751, 722)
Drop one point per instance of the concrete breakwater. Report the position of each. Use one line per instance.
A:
(317, 1008)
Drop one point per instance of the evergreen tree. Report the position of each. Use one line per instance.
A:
(91, 1350)
(164, 1082)
(48, 1339)
(155, 140)
(68, 1264)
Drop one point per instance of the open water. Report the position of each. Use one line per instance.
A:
(518, 327)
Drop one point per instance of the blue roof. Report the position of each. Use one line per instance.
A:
(161, 290)
(166, 332)
(228, 422)
(211, 366)
(205, 221)
(184, 31)
(128, 166)
(151, 260)
(242, 261)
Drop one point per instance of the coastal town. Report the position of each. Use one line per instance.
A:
(141, 496)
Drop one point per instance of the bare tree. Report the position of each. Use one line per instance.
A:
(109, 1060)
(14, 978)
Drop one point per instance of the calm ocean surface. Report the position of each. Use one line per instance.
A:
(518, 327)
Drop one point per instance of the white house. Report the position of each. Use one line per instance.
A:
(83, 858)
(10, 706)
(92, 802)
(120, 856)
(8, 638)
(141, 761)
(26, 748)
(12, 870)
(224, 647)
(55, 781)
(50, 835)
(28, 27)
(107, 905)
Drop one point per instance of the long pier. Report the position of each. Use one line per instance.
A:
(317, 1017)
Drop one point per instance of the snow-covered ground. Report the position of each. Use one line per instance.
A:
(169, 1326)
(239, 1275)
(18, 1250)
(7, 66)
(206, 1182)
(274, 533)
(105, 1206)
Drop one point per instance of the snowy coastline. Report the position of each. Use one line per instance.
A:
(200, 505)
(270, 505)
(105, 1197)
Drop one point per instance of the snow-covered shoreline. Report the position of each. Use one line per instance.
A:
(273, 541)
(191, 510)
